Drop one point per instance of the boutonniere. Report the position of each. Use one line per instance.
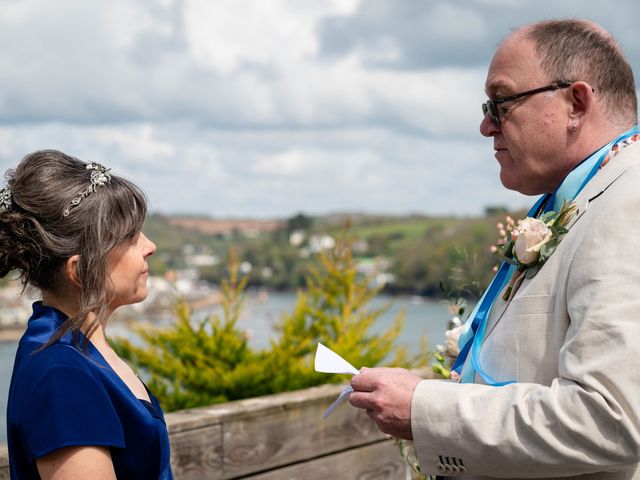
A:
(529, 243)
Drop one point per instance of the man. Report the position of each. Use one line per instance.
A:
(555, 369)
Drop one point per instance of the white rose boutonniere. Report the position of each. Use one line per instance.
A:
(529, 238)
(530, 243)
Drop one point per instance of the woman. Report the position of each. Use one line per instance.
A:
(76, 410)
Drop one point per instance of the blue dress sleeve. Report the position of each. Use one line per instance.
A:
(69, 406)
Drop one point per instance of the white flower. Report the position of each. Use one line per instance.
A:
(451, 340)
(532, 235)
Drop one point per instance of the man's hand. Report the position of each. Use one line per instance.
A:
(386, 393)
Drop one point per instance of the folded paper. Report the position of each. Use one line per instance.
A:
(328, 361)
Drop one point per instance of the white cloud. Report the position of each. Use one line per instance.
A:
(238, 107)
(229, 33)
(221, 63)
(140, 143)
(455, 22)
(278, 173)
(285, 164)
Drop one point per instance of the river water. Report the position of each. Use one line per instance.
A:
(424, 319)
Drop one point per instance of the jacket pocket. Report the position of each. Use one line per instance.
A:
(531, 305)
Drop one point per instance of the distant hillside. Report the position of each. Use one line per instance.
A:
(417, 252)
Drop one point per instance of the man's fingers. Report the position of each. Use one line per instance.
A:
(363, 382)
(363, 400)
(360, 400)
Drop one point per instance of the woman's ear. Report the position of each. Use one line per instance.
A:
(71, 270)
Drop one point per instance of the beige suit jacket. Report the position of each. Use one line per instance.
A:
(571, 338)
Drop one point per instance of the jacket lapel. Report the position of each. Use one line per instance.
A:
(592, 191)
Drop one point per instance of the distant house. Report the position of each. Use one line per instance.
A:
(201, 260)
(376, 269)
(318, 243)
(297, 238)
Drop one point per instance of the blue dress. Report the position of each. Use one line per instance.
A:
(61, 397)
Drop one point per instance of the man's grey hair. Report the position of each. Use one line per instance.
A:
(573, 49)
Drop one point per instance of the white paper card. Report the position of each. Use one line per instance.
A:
(328, 361)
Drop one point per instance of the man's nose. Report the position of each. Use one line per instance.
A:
(488, 127)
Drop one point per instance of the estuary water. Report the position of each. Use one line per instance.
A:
(425, 320)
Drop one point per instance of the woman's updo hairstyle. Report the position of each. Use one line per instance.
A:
(53, 209)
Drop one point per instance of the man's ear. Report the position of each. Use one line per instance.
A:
(581, 98)
(71, 270)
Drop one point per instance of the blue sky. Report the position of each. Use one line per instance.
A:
(253, 108)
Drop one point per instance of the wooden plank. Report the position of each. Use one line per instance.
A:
(379, 461)
(225, 412)
(197, 453)
(229, 411)
(4, 462)
(258, 442)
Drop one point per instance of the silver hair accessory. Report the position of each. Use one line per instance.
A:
(99, 176)
(5, 199)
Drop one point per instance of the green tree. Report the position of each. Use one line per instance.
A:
(299, 222)
(333, 309)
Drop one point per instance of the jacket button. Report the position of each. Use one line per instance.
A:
(440, 467)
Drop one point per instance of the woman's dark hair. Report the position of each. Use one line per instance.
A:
(37, 238)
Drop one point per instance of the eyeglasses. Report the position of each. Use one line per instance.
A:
(491, 106)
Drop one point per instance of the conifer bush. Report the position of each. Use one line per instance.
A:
(197, 363)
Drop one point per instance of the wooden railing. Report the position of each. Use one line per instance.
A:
(277, 437)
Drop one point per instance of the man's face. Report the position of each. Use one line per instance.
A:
(530, 142)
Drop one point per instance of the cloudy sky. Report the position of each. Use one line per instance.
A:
(256, 108)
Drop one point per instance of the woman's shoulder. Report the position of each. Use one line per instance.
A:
(52, 374)
(33, 361)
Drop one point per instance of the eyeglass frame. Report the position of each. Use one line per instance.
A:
(490, 107)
